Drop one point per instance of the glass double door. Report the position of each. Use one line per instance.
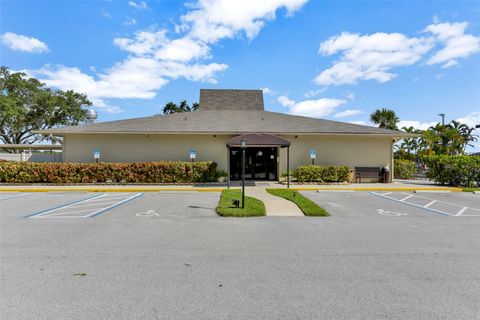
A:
(260, 163)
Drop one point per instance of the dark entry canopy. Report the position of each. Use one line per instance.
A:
(258, 139)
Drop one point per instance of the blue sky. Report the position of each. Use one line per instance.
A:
(331, 59)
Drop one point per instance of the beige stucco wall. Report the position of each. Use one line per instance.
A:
(331, 150)
(352, 151)
(139, 147)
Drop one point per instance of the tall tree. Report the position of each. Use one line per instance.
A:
(385, 118)
(171, 107)
(26, 105)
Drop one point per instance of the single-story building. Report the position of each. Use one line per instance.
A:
(215, 130)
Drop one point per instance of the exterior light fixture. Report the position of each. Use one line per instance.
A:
(313, 155)
(96, 154)
(193, 154)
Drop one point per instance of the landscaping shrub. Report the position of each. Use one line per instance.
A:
(454, 170)
(404, 169)
(137, 172)
(317, 173)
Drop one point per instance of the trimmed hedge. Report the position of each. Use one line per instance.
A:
(404, 169)
(454, 170)
(317, 173)
(137, 172)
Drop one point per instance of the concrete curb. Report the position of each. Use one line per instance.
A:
(380, 189)
(213, 189)
(110, 189)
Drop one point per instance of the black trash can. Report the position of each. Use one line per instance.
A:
(386, 175)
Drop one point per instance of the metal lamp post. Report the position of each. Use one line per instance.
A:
(244, 146)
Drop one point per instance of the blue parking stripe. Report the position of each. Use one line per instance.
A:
(63, 205)
(117, 205)
(17, 196)
(413, 205)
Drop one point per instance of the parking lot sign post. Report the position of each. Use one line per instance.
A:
(96, 154)
(313, 155)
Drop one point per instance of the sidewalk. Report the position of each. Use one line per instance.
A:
(274, 206)
(395, 186)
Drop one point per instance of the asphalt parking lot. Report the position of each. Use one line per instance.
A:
(168, 255)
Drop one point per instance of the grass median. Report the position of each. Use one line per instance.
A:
(253, 207)
(308, 207)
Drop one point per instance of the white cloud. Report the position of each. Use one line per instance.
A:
(311, 108)
(142, 5)
(450, 63)
(370, 57)
(212, 20)
(316, 108)
(314, 93)
(416, 124)
(471, 120)
(374, 56)
(266, 90)
(285, 101)
(456, 43)
(130, 21)
(18, 42)
(361, 123)
(183, 49)
(350, 96)
(144, 42)
(155, 59)
(347, 113)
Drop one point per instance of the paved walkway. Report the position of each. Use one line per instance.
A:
(275, 206)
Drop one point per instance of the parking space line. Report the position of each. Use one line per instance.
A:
(80, 209)
(16, 196)
(407, 197)
(412, 204)
(99, 212)
(114, 197)
(95, 204)
(430, 203)
(33, 215)
(459, 213)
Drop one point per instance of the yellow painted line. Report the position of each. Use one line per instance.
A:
(110, 189)
(379, 189)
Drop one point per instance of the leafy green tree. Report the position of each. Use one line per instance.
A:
(26, 105)
(171, 107)
(451, 139)
(385, 118)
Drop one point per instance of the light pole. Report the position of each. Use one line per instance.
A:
(443, 118)
(244, 146)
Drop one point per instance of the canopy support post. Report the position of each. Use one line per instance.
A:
(288, 167)
(228, 167)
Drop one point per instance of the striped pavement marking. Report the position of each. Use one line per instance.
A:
(87, 208)
(455, 210)
(15, 196)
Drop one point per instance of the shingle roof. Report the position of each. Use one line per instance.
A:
(214, 99)
(225, 121)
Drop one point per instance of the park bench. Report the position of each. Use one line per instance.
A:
(368, 172)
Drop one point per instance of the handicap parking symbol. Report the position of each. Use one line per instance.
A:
(390, 213)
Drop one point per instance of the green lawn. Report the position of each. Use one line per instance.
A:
(471, 189)
(308, 207)
(253, 207)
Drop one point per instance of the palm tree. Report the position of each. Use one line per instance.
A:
(385, 118)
